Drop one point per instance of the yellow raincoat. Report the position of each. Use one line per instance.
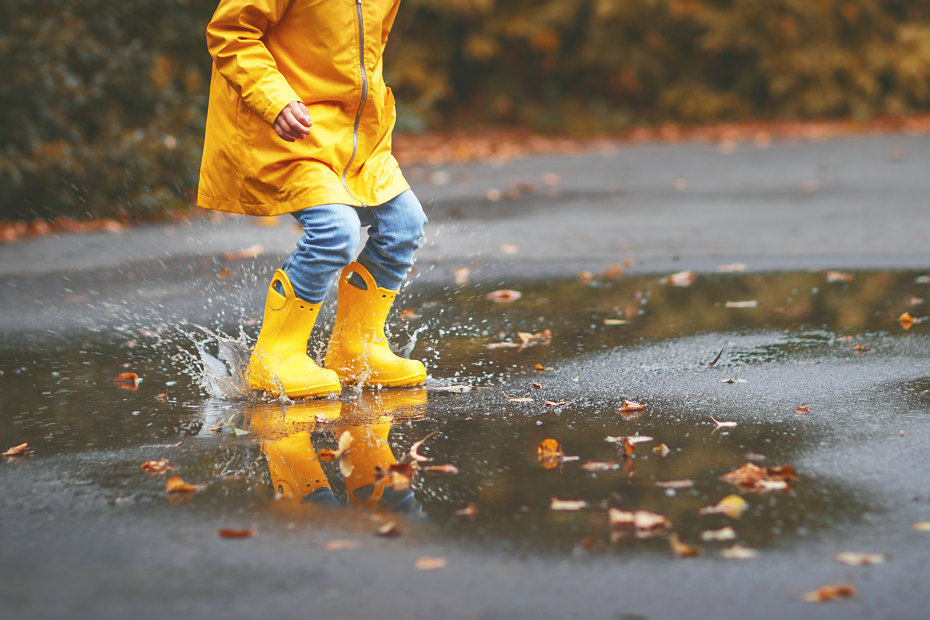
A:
(325, 53)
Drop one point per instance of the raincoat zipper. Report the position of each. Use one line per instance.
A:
(361, 104)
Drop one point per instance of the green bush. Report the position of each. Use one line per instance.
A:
(102, 104)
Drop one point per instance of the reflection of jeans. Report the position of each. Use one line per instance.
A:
(331, 234)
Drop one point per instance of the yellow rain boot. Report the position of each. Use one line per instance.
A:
(279, 360)
(358, 350)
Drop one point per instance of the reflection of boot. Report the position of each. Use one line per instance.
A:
(358, 350)
(292, 462)
(369, 453)
(385, 406)
(279, 360)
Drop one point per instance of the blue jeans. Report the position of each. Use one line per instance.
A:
(331, 234)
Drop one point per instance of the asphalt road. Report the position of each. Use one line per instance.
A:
(66, 551)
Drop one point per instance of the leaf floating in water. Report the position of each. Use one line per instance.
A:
(662, 450)
(597, 466)
(722, 423)
(462, 275)
(341, 545)
(468, 511)
(549, 453)
(504, 296)
(754, 478)
(839, 276)
(714, 361)
(388, 529)
(680, 548)
(19, 450)
(732, 506)
(832, 592)
(642, 523)
(802, 409)
(630, 406)
(447, 468)
(921, 526)
(742, 304)
(413, 449)
(675, 484)
(127, 380)
(345, 442)
(738, 552)
(723, 534)
(568, 504)
(615, 321)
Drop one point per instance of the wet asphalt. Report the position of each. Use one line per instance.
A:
(67, 550)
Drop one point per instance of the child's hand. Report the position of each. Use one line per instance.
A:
(293, 122)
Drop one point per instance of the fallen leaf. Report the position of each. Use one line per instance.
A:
(675, 484)
(341, 545)
(921, 526)
(802, 409)
(662, 450)
(643, 522)
(724, 533)
(682, 278)
(175, 484)
(682, 549)
(409, 314)
(722, 424)
(468, 511)
(613, 272)
(742, 304)
(549, 453)
(425, 562)
(859, 347)
(388, 529)
(839, 276)
(911, 301)
(462, 275)
(585, 276)
(327, 455)
(250, 252)
(738, 552)
(455, 389)
(732, 506)
(906, 321)
(541, 337)
(509, 249)
(754, 478)
(830, 593)
(615, 322)
(413, 449)
(447, 468)
(162, 398)
(223, 273)
(714, 361)
(127, 380)
(155, 467)
(232, 533)
(540, 367)
(504, 296)
(596, 466)
(520, 399)
(853, 558)
(19, 450)
(553, 403)
(630, 406)
(567, 504)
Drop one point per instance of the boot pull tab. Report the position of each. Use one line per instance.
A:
(357, 268)
(277, 301)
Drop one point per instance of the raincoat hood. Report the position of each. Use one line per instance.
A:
(325, 53)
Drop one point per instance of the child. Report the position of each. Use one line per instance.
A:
(300, 121)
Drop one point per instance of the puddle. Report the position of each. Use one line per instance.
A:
(835, 347)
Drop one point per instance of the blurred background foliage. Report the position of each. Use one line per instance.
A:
(102, 104)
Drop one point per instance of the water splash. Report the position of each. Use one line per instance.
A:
(224, 374)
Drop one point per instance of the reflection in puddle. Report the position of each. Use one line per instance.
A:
(834, 347)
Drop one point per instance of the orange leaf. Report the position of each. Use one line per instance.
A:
(839, 276)
(127, 380)
(681, 279)
(629, 406)
(468, 511)
(906, 321)
(549, 453)
(19, 450)
(831, 593)
(552, 403)
(155, 467)
(425, 562)
(567, 504)
(413, 449)
(802, 409)
(175, 484)
(681, 549)
(233, 533)
(504, 296)
(447, 468)
(388, 530)
(341, 545)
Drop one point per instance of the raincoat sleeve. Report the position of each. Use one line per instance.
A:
(234, 38)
